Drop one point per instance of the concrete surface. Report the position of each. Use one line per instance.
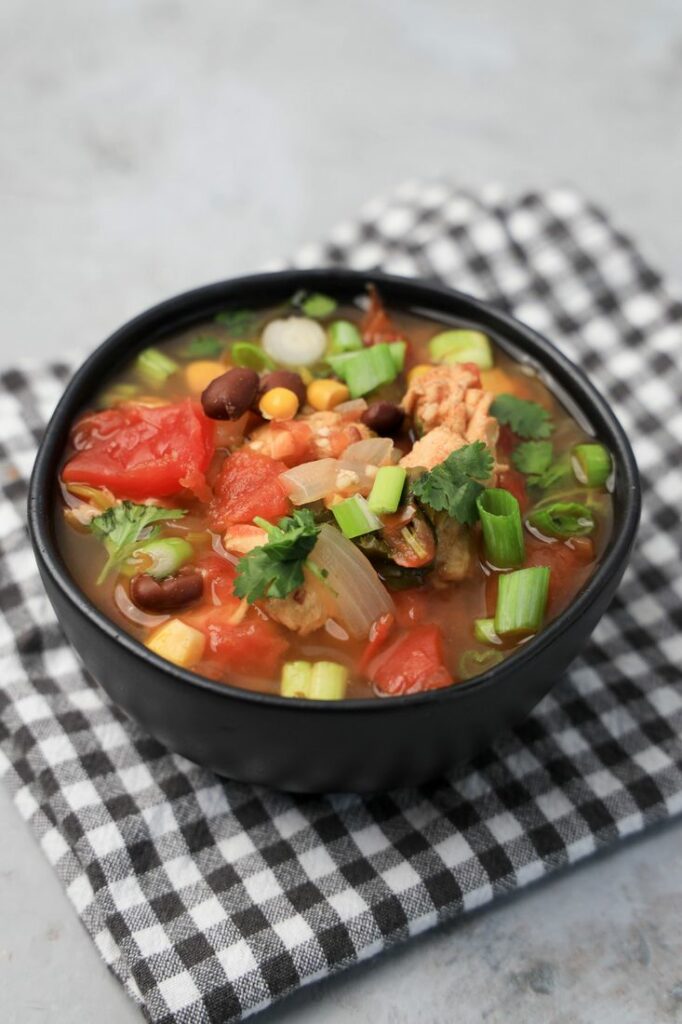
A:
(150, 145)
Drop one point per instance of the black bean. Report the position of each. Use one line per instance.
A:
(383, 417)
(166, 595)
(284, 379)
(231, 395)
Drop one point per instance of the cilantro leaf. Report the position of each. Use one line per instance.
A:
(276, 568)
(533, 456)
(239, 322)
(121, 527)
(204, 346)
(554, 474)
(454, 485)
(527, 419)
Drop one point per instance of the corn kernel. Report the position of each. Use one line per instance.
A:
(201, 372)
(278, 404)
(177, 642)
(325, 394)
(418, 371)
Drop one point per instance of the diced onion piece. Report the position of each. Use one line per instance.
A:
(296, 341)
(359, 594)
(376, 450)
(133, 613)
(351, 410)
(310, 481)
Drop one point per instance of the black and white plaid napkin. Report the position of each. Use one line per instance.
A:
(210, 899)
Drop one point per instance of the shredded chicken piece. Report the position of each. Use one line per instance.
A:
(317, 435)
(453, 410)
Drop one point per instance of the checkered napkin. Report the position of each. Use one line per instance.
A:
(210, 899)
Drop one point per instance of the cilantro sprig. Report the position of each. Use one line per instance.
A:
(454, 485)
(532, 457)
(239, 322)
(527, 419)
(122, 526)
(204, 346)
(276, 568)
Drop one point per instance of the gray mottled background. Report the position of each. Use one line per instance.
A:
(150, 145)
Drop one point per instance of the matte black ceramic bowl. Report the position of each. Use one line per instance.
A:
(312, 746)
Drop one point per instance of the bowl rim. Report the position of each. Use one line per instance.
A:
(560, 368)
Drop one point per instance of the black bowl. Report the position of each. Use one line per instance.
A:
(313, 746)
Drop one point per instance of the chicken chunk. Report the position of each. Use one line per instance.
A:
(439, 397)
(448, 403)
(304, 611)
(316, 436)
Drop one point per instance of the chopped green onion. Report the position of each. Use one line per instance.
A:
(251, 356)
(118, 393)
(591, 464)
(398, 350)
(355, 517)
(387, 489)
(462, 346)
(484, 631)
(344, 337)
(318, 306)
(328, 681)
(365, 370)
(562, 519)
(521, 601)
(472, 663)
(320, 680)
(167, 555)
(295, 680)
(502, 528)
(154, 366)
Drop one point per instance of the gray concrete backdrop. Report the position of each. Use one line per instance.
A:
(150, 145)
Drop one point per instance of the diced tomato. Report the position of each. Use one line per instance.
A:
(376, 324)
(247, 486)
(379, 633)
(219, 576)
(507, 441)
(412, 664)
(411, 606)
(253, 645)
(291, 442)
(569, 563)
(140, 451)
(475, 370)
(514, 482)
(341, 438)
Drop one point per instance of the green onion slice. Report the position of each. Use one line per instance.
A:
(318, 306)
(344, 337)
(320, 680)
(562, 519)
(251, 357)
(167, 555)
(591, 464)
(354, 517)
(521, 601)
(367, 369)
(502, 528)
(473, 663)
(154, 366)
(484, 631)
(387, 489)
(462, 346)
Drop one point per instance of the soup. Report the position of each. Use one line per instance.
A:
(332, 501)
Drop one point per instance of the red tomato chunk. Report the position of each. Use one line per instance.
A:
(253, 645)
(412, 664)
(247, 486)
(140, 451)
